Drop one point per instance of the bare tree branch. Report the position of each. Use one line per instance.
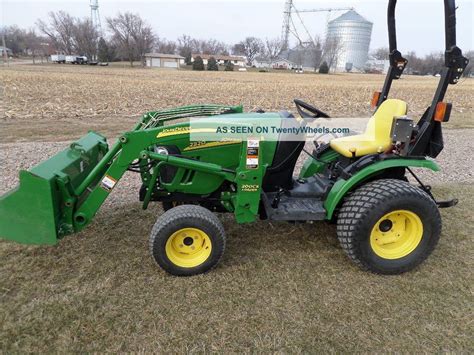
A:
(273, 48)
(132, 35)
(250, 47)
(332, 50)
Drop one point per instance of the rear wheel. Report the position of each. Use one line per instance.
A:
(388, 226)
(187, 240)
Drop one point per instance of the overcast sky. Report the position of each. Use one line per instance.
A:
(420, 22)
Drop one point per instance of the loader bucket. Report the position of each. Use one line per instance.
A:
(38, 210)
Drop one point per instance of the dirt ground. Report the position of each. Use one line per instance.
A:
(279, 288)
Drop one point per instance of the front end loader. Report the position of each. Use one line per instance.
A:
(384, 223)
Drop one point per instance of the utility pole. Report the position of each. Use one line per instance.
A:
(5, 53)
(285, 31)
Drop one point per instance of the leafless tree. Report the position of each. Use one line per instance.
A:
(60, 31)
(469, 55)
(430, 64)
(15, 39)
(332, 49)
(70, 35)
(316, 52)
(250, 47)
(143, 37)
(36, 46)
(185, 47)
(414, 63)
(380, 53)
(132, 35)
(213, 46)
(273, 48)
(209, 46)
(85, 37)
(165, 46)
(433, 63)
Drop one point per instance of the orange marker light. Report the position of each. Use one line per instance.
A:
(442, 112)
(375, 99)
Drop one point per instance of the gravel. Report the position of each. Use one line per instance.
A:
(455, 165)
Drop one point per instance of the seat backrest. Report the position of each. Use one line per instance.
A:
(380, 124)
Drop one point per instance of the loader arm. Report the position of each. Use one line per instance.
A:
(130, 147)
(61, 195)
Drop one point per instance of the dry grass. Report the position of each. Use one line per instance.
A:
(279, 288)
(76, 99)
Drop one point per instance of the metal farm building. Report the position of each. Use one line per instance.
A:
(354, 33)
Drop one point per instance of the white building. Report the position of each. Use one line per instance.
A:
(261, 63)
(283, 64)
(304, 56)
(5, 49)
(377, 65)
(221, 59)
(166, 61)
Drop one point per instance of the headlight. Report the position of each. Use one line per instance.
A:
(161, 150)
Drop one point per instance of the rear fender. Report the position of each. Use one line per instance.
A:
(342, 186)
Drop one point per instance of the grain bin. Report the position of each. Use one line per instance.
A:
(353, 32)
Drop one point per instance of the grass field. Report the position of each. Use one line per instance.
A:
(279, 288)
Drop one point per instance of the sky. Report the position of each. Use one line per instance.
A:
(420, 22)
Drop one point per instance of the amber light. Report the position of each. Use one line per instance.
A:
(375, 99)
(442, 112)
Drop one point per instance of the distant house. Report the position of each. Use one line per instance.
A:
(221, 59)
(160, 60)
(377, 65)
(261, 62)
(306, 56)
(281, 63)
(5, 49)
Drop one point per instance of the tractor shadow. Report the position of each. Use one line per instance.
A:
(267, 241)
(121, 234)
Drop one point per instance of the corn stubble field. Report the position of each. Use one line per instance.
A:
(279, 287)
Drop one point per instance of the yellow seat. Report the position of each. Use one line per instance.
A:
(376, 138)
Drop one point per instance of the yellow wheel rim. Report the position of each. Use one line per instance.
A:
(188, 247)
(396, 234)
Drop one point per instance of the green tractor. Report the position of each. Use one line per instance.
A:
(384, 224)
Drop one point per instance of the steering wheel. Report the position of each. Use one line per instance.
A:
(309, 112)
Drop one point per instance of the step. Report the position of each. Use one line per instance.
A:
(315, 186)
(294, 208)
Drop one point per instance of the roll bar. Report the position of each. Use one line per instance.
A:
(449, 18)
(428, 139)
(454, 60)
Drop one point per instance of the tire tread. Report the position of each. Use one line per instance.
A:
(359, 204)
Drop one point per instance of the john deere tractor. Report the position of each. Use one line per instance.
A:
(384, 223)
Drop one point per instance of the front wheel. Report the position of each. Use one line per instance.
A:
(187, 240)
(388, 226)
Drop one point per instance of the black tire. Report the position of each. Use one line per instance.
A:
(363, 209)
(181, 218)
(167, 205)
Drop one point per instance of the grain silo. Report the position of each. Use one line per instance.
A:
(348, 38)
